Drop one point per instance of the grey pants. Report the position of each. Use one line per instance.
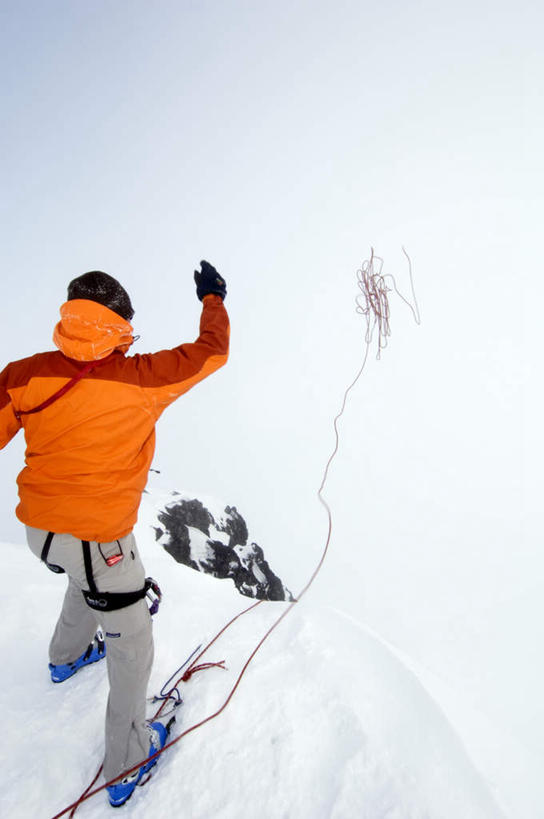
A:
(128, 636)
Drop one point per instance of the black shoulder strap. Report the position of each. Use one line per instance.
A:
(46, 546)
(45, 554)
(88, 566)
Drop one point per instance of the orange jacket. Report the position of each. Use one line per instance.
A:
(88, 453)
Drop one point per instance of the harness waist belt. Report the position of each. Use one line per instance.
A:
(107, 601)
(101, 601)
(111, 601)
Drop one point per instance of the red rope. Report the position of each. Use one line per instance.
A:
(209, 645)
(193, 668)
(202, 667)
(88, 793)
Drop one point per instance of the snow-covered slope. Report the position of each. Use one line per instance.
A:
(328, 721)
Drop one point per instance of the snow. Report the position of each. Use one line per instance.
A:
(329, 721)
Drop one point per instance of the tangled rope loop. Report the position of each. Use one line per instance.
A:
(373, 302)
(202, 667)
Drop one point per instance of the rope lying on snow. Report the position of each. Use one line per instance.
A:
(190, 671)
(373, 304)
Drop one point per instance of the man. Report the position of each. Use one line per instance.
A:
(88, 412)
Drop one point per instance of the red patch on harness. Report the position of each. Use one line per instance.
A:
(111, 561)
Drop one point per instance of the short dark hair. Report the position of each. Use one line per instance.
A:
(104, 289)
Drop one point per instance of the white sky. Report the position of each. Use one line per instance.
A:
(280, 141)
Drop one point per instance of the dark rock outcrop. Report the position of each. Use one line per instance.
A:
(190, 533)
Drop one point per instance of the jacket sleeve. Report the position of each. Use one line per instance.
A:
(168, 374)
(9, 425)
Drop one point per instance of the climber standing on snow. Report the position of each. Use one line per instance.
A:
(88, 412)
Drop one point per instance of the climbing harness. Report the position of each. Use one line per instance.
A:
(105, 601)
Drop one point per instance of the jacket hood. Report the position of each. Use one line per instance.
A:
(88, 331)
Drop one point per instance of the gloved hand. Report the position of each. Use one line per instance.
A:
(209, 281)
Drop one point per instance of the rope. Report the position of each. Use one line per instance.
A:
(173, 693)
(372, 303)
(88, 792)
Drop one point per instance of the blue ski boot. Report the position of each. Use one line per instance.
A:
(122, 791)
(95, 651)
(159, 734)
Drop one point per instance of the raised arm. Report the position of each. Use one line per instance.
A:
(170, 373)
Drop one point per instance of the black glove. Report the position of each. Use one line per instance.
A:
(209, 281)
